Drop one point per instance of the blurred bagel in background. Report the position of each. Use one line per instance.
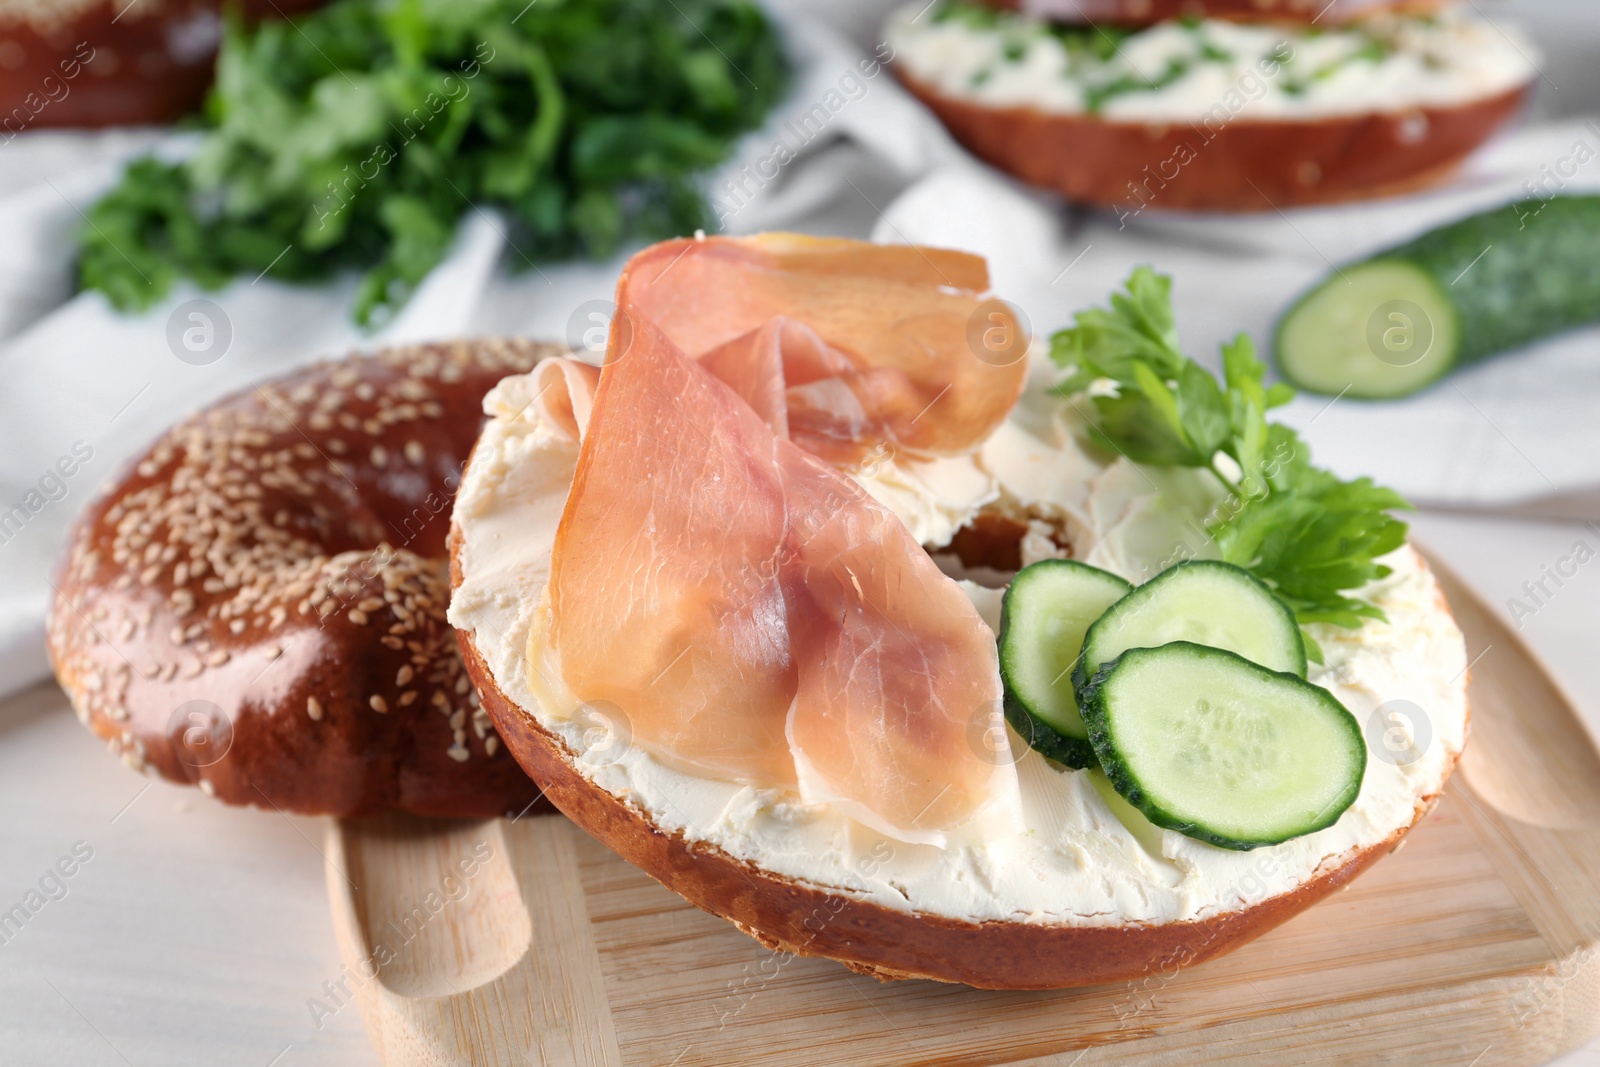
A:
(96, 63)
(1150, 12)
(1202, 112)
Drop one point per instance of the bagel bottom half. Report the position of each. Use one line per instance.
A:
(807, 920)
(1245, 165)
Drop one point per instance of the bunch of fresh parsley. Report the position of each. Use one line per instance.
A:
(357, 136)
(1307, 534)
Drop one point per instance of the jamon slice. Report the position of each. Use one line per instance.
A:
(664, 593)
(905, 341)
(899, 686)
(751, 610)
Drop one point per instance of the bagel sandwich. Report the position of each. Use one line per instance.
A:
(851, 787)
(1207, 110)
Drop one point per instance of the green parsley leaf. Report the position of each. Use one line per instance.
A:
(1310, 536)
(355, 137)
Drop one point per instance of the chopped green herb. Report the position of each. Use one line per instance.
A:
(1307, 534)
(357, 136)
(1100, 43)
(977, 16)
(1372, 50)
(1096, 97)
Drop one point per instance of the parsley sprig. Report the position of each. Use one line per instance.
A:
(355, 137)
(1306, 533)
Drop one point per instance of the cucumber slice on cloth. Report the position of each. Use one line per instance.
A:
(1405, 318)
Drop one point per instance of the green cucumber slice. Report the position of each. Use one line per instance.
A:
(1043, 616)
(1386, 329)
(1206, 743)
(1395, 323)
(1207, 602)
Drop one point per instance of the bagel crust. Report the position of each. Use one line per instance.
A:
(102, 63)
(1245, 165)
(257, 605)
(789, 916)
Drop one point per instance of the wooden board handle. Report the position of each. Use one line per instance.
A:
(469, 940)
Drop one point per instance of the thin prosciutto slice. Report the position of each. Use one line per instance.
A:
(664, 598)
(901, 335)
(898, 684)
(751, 610)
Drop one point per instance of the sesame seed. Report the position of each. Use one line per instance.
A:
(380, 456)
(358, 617)
(378, 704)
(458, 752)
(314, 708)
(415, 453)
(403, 678)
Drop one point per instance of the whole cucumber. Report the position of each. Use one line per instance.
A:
(1400, 321)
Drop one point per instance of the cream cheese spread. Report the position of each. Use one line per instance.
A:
(1210, 71)
(1072, 862)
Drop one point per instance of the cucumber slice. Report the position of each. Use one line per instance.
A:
(1401, 320)
(1043, 617)
(1385, 329)
(1205, 742)
(1207, 602)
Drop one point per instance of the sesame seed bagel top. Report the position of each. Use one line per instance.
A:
(257, 605)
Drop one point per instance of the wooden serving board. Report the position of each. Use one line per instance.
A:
(1474, 945)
